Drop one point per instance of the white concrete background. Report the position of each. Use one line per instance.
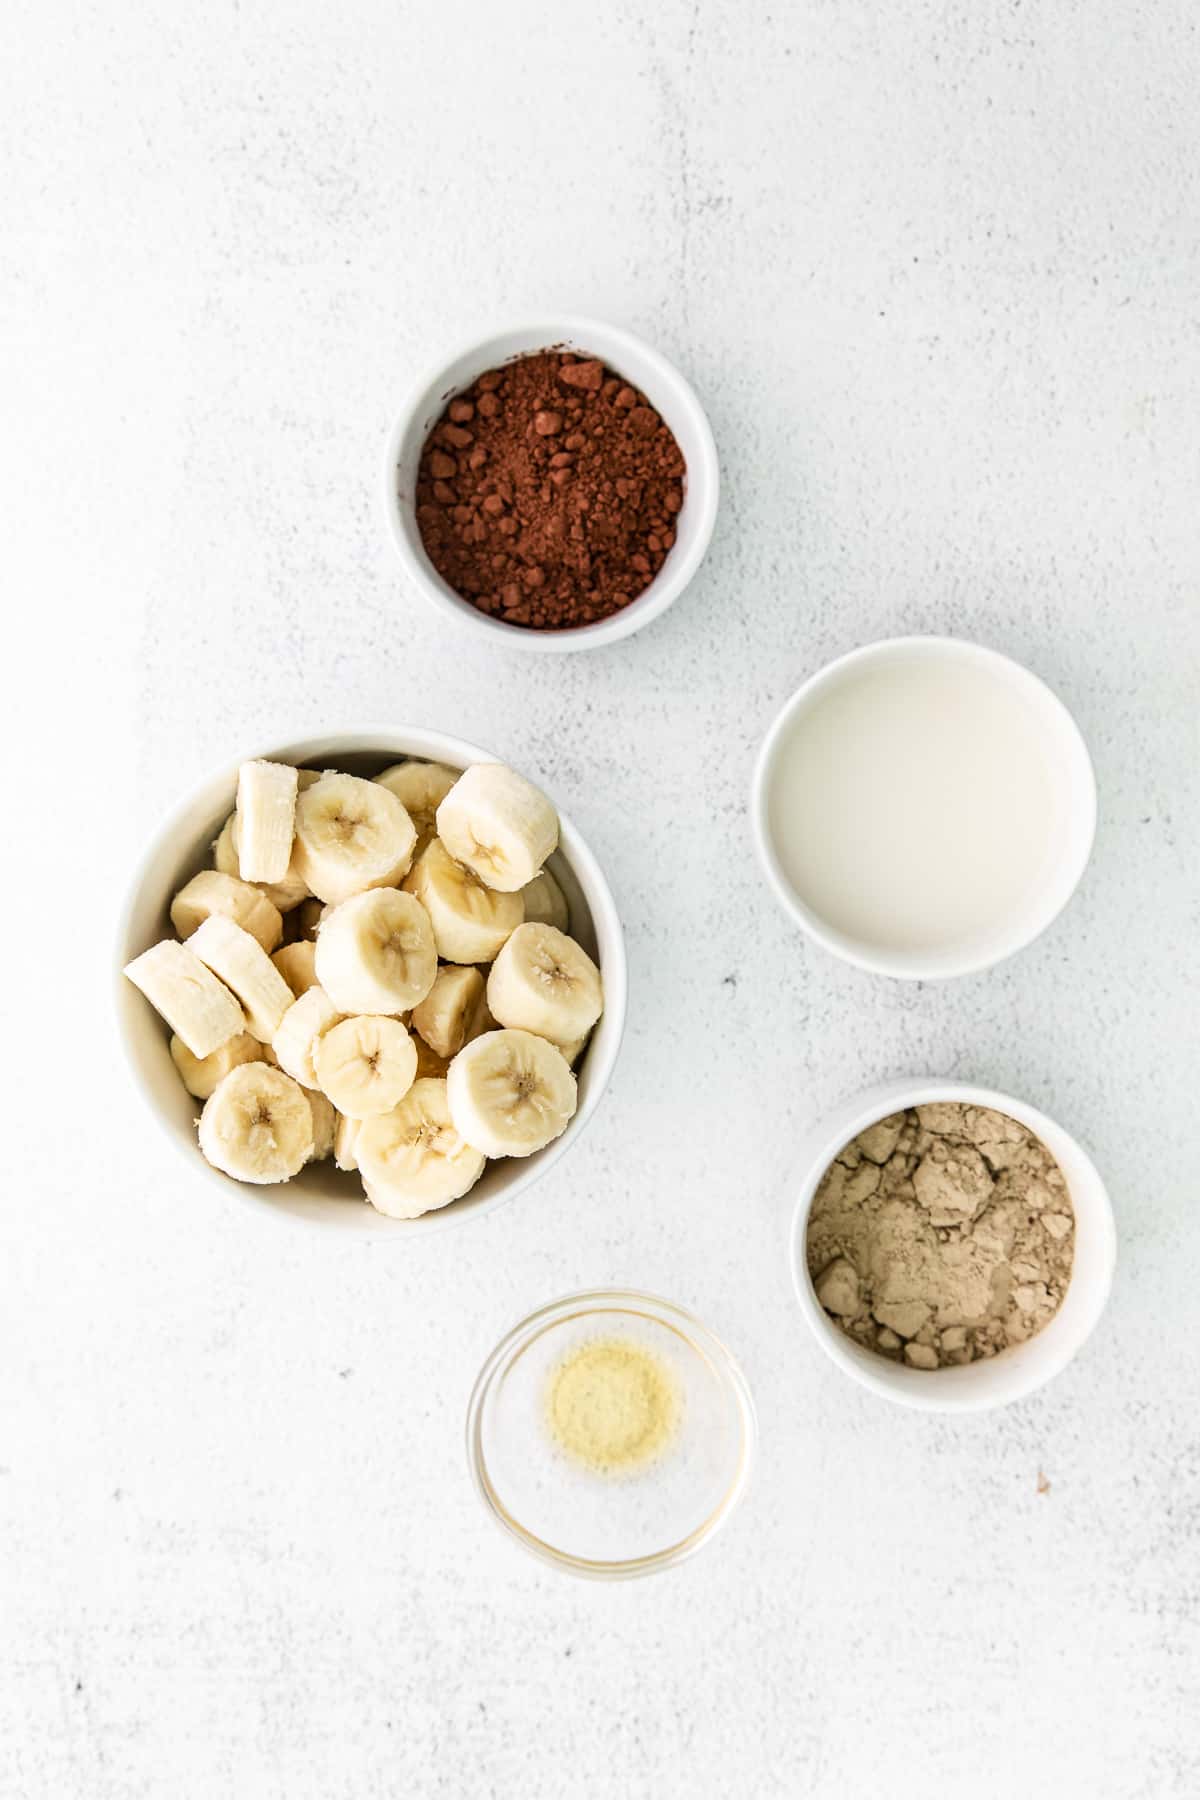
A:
(934, 270)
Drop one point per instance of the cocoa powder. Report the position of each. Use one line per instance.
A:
(547, 492)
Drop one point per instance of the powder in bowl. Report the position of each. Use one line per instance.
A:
(611, 1406)
(941, 1235)
(548, 492)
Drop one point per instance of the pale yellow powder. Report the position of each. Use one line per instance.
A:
(611, 1406)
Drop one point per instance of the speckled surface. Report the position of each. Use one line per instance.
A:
(934, 271)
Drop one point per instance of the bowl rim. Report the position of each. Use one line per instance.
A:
(397, 742)
(927, 965)
(702, 489)
(917, 1389)
(601, 1299)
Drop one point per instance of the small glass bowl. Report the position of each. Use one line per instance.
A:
(611, 1525)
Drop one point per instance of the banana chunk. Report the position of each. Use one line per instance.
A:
(499, 825)
(177, 983)
(365, 1065)
(266, 815)
(244, 966)
(376, 953)
(284, 895)
(420, 787)
(413, 1159)
(201, 1074)
(471, 922)
(454, 1011)
(211, 892)
(324, 1120)
(510, 1093)
(543, 981)
(351, 835)
(545, 902)
(302, 1025)
(345, 1132)
(257, 1125)
(297, 963)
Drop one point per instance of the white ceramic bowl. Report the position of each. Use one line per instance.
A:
(994, 1381)
(322, 1194)
(1066, 751)
(643, 368)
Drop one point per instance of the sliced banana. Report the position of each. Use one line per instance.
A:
(179, 985)
(376, 953)
(324, 1120)
(257, 1125)
(470, 921)
(429, 1063)
(297, 963)
(545, 902)
(201, 1074)
(575, 1049)
(266, 814)
(543, 981)
(245, 968)
(345, 1133)
(454, 1011)
(510, 1093)
(284, 895)
(211, 892)
(351, 835)
(420, 787)
(412, 1159)
(365, 1065)
(295, 1042)
(499, 825)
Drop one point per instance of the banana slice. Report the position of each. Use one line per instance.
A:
(284, 895)
(198, 1007)
(545, 902)
(470, 922)
(420, 787)
(575, 1049)
(245, 967)
(257, 1125)
(366, 1065)
(266, 814)
(201, 1074)
(510, 1093)
(376, 953)
(412, 1159)
(345, 1133)
(543, 981)
(211, 892)
(297, 963)
(324, 1120)
(302, 1025)
(499, 825)
(454, 1011)
(351, 835)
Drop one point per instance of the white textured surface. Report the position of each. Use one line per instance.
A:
(934, 270)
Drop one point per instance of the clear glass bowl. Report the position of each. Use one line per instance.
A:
(611, 1525)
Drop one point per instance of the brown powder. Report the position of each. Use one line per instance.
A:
(547, 492)
(941, 1235)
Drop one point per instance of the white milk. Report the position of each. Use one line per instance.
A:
(913, 806)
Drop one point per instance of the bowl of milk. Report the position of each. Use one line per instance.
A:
(924, 807)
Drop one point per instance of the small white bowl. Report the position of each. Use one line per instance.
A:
(643, 368)
(1011, 1375)
(1072, 848)
(322, 1194)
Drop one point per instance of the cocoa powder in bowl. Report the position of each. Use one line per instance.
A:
(548, 490)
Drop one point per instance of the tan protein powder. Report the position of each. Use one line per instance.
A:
(940, 1235)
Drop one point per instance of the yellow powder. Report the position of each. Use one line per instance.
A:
(611, 1405)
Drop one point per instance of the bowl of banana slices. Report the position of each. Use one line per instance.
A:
(373, 981)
